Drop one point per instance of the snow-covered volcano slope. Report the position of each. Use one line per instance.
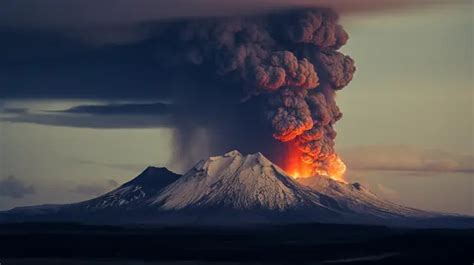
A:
(238, 182)
(134, 193)
(355, 198)
(128, 197)
(252, 183)
(235, 189)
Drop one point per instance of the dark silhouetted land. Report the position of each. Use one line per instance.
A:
(67, 243)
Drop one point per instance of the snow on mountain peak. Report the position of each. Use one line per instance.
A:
(233, 181)
(232, 153)
(358, 199)
(235, 188)
(151, 181)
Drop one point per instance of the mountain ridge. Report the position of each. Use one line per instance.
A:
(148, 183)
(250, 181)
(235, 189)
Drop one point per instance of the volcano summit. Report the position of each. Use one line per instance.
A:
(234, 189)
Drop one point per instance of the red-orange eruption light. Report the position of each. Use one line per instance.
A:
(335, 169)
(297, 168)
(293, 164)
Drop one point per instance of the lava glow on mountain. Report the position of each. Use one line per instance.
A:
(296, 167)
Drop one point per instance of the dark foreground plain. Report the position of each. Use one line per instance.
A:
(68, 243)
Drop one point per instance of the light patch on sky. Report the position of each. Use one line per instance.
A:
(413, 83)
(55, 160)
(413, 86)
(443, 192)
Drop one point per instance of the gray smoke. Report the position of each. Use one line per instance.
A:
(279, 71)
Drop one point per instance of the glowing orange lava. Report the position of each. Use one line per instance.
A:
(296, 168)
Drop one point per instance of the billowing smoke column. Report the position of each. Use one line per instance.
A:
(290, 59)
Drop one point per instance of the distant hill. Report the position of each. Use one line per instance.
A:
(235, 189)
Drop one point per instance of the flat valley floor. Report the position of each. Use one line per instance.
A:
(67, 243)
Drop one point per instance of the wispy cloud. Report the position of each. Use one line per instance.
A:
(123, 115)
(387, 191)
(15, 188)
(14, 110)
(129, 167)
(95, 189)
(156, 108)
(406, 158)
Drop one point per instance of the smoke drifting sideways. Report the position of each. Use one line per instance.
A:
(258, 83)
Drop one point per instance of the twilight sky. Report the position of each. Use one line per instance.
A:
(407, 131)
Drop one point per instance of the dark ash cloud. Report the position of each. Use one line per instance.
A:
(239, 78)
(90, 49)
(15, 188)
(88, 13)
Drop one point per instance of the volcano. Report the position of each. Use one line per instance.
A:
(234, 189)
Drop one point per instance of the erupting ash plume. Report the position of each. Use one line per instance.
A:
(288, 61)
